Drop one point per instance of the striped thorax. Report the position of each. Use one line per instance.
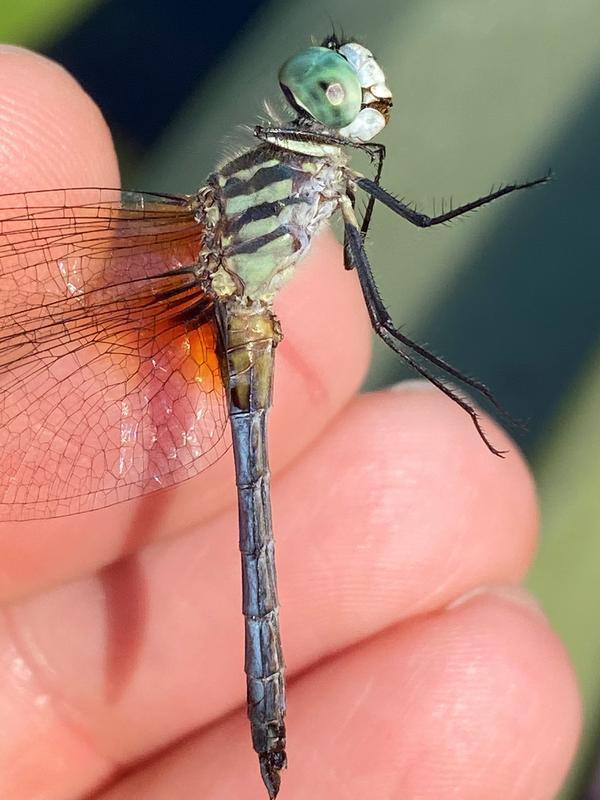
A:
(270, 203)
(267, 204)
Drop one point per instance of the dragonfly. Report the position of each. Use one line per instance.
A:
(137, 331)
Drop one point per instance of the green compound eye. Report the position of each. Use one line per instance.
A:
(323, 83)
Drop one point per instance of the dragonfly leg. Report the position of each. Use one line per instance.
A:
(411, 352)
(273, 134)
(380, 156)
(375, 150)
(348, 254)
(421, 220)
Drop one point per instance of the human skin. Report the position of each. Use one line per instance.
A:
(417, 668)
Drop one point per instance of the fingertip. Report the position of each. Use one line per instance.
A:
(324, 356)
(53, 134)
(477, 701)
(480, 697)
(324, 312)
(503, 487)
(538, 711)
(443, 515)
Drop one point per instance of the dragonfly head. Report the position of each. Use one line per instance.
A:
(341, 86)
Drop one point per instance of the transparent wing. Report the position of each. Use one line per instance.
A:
(109, 381)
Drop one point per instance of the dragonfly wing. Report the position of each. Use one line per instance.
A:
(110, 384)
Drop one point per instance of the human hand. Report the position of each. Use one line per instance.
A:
(416, 669)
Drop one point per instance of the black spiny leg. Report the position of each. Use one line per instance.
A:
(348, 253)
(380, 155)
(376, 192)
(384, 327)
(294, 133)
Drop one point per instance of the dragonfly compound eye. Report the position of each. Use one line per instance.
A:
(322, 83)
(342, 87)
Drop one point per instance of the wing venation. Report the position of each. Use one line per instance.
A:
(110, 384)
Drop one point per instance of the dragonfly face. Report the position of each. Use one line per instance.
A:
(340, 86)
(134, 326)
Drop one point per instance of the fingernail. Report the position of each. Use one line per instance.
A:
(413, 385)
(14, 48)
(517, 595)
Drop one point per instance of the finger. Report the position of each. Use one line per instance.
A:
(407, 511)
(319, 365)
(474, 701)
(53, 135)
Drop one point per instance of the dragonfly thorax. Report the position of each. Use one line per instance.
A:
(270, 203)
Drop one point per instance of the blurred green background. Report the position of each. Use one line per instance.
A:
(485, 92)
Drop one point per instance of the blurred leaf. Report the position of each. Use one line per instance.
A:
(36, 23)
(566, 575)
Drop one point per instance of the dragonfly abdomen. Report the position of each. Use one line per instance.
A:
(270, 206)
(249, 341)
